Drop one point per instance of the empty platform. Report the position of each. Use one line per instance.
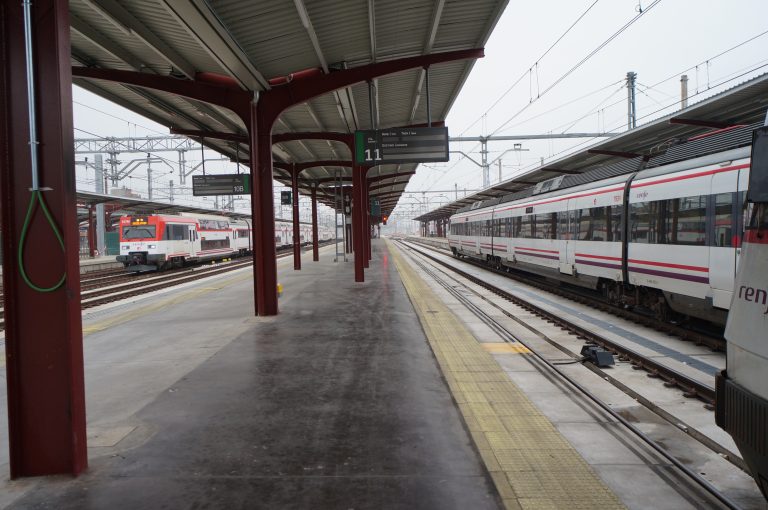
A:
(338, 402)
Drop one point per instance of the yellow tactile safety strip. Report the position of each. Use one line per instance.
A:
(532, 465)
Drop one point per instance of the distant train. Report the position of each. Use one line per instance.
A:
(666, 239)
(152, 242)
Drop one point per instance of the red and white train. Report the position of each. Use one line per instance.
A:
(151, 242)
(665, 238)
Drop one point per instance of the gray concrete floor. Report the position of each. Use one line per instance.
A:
(335, 403)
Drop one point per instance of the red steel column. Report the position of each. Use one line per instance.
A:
(296, 233)
(315, 240)
(366, 223)
(357, 222)
(43, 330)
(263, 212)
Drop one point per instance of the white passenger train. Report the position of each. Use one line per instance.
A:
(155, 241)
(665, 238)
(742, 389)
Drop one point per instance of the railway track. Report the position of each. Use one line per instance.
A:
(712, 341)
(690, 387)
(106, 287)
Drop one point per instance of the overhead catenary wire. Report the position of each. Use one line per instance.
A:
(579, 64)
(535, 64)
(561, 78)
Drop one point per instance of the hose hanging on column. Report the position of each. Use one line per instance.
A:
(36, 196)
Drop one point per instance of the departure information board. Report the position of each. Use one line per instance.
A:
(224, 184)
(401, 145)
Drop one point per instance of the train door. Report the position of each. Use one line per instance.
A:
(725, 237)
(565, 227)
(192, 241)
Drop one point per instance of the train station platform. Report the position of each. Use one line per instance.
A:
(356, 396)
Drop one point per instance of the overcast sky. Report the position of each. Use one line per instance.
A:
(672, 37)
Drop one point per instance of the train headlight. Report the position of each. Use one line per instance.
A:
(151, 246)
(126, 246)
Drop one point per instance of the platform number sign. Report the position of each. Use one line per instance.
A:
(401, 145)
(285, 198)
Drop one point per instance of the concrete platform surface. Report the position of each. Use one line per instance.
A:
(338, 402)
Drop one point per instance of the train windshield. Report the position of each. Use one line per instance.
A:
(142, 232)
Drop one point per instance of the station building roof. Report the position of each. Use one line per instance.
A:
(253, 42)
(742, 105)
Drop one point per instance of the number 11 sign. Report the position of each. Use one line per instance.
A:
(401, 145)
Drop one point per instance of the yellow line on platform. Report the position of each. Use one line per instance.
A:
(499, 348)
(532, 465)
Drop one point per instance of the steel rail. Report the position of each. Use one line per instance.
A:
(712, 490)
(716, 343)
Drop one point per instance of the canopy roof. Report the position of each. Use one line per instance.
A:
(742, 105)
(254, 41)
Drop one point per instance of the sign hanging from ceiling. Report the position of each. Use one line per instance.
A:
(401, 145)
(224, 184)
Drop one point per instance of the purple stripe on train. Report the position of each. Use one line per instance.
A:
(665, 274)
(598, 264)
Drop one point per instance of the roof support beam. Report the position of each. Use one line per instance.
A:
(273, 102)
(194, 133)
(115, 13)
(202, 24)
(304, 165)
(236, 100)
(106, 44)
(428, 44)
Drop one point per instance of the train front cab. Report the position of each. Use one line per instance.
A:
(742, 388)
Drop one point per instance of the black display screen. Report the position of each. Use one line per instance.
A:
(758, 173)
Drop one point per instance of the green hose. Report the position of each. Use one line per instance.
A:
(36, 198)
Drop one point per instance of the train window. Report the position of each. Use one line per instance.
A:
(517, 226)
(644, 222)
(546, 226)
(584, 225)
(614, 222)
(723, 220)
(563, 231)
(143, 232)
(210, 244)
(527, 226)
(175, 233)
(685, 220)
(598, 225)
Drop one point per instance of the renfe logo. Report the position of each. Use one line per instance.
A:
(753, 295)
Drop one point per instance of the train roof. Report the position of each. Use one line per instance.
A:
(673, 151)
